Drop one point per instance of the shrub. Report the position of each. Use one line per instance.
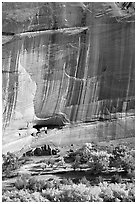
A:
(10, 163)
(99, 161)
(65, 181)
(116, 178)
(107, 195)
(99, 179)
(128, 162)
(32, 184)
(20, 183)
(123, 158)
(85, 181)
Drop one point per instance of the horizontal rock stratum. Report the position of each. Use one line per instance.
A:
(67, 63)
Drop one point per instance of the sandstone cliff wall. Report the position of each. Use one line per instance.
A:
(66, 63)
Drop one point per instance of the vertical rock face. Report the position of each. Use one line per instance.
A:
(67, 62)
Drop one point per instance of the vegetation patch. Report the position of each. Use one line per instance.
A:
(65, 190)
(113, 161)
(102, 159)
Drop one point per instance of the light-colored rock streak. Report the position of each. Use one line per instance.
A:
(78, 56)
(48, 82)
(68, 31)
(26, 94)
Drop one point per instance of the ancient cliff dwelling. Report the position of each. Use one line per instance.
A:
(68, 75)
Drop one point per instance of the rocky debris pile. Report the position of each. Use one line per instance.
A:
(44, 150)
(31, 131)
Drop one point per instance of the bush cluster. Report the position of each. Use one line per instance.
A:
(67, 191)
(123, 157)
(22, 196)
(119, 157)
(10, 163)
(33, 184)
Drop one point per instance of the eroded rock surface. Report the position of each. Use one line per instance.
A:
(67, 63)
